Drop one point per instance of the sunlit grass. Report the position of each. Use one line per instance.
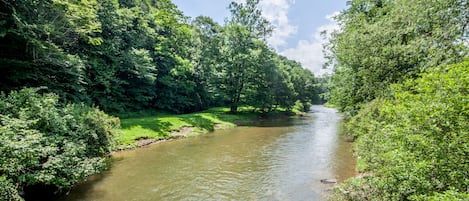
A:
(159, 125)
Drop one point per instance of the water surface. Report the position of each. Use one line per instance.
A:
(274, 160)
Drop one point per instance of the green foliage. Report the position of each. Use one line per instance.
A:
(414, 143)
(145, 55)
(175, 86)
(304, 84)
(322, 87)
(40, 42)
(359, 124)
(46, 143)
(206, 58)
(123, 70)
(362, 188)
(242, 48)
(8, 191)
(385, 42)
(449, 195)
(299, 106)
(411, 136)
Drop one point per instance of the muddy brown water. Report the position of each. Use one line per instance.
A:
(273, 160)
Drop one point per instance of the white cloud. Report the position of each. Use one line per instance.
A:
(276, 12)
(310, 52)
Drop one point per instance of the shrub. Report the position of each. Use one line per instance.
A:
(365, 121)
(46, 143)
(8, 190)
(302, 106)
(415, 144)
(449, 195)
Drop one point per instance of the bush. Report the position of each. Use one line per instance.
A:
(8, 190)
(415, 144)
(365, 121)
(449, 195)
(46, 143)
(302, 106)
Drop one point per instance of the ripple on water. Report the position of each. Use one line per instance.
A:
(275, 161)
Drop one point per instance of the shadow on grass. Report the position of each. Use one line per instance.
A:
(154, 124)
(200, 122)
(240, 118)
(205, 120)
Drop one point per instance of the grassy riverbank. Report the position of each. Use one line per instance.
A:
(141, 129)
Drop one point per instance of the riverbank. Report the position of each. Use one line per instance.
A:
(412, 144)
(145, 129)
(273, 159)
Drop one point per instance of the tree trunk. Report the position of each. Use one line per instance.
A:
(234, 108)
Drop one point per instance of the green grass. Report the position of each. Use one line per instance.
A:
(159, 125)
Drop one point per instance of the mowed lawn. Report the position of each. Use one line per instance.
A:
(160, 125)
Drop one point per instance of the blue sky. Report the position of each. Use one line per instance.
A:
(298, 24)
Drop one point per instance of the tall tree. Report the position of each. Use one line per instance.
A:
(206, 58)
(121, 72)
(245, 26)
(259, 89)
(174, 85)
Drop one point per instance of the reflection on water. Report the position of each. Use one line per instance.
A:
(278, 160)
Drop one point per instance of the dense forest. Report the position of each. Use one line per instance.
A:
(401, 78)
(138, 55)
(61, 60)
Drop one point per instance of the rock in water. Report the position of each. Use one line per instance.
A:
(328, 181)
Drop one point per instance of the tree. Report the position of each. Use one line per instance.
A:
(130, 55)
(245, 26)
(39, 42)
(259, 90)
(174, 85)
(304, 84)
(206, 58)
(385, 42)
(121, 72)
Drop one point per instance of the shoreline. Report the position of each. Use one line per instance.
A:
(184, 132)
(222, 121)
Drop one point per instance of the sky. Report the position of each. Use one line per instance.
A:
(298, 25)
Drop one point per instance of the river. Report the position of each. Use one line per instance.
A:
(273, 160)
